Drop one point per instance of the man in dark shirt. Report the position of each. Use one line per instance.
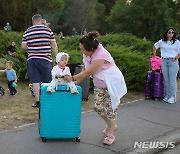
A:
(12, 49)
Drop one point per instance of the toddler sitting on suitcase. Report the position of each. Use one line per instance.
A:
(58, 73)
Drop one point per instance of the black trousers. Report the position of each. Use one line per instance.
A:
(11, 88)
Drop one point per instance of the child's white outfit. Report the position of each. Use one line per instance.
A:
(61, 81)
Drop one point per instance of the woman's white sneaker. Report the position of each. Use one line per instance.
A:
(171, 100)
(166, 98)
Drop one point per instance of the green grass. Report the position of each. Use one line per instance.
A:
(16, 110)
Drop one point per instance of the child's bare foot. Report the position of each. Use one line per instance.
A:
(75, 92)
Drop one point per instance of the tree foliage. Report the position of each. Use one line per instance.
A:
(19, 12)
(79, 14)
(147, 18)
(144, 18)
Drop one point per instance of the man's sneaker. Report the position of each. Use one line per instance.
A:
(166, 98)
(171, 100)
(49, 90)
(36, 105)
(12, 93)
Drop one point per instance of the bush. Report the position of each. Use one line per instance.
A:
(7, 38)
(130, 53)
(128, 40)
(20, 62)
(68, 44)
(133, 65)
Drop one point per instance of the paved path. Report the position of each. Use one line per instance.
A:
(176, 150)
(144, 120)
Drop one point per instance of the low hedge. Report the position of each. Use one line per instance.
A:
(128, 40)
(133, 66)
(7, 38)
(130, 53)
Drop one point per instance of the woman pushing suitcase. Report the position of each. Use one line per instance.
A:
(108, 81)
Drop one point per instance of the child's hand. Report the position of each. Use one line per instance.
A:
(57, 76)
(14, 84)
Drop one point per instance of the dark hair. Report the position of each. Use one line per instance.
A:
(178, 37)
(165, 35)
(90, 41)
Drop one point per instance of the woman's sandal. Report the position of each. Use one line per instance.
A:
(109, 139)
(105, 133)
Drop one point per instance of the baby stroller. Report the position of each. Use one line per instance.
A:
(2, 92)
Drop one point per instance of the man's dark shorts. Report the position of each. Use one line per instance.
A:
(39, 70)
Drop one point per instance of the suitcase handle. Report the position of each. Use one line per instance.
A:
(62, 90)
(67, 89)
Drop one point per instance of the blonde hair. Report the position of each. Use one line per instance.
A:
(43, 21)
(10, 63)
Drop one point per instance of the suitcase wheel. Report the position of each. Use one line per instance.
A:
(2, 93)
(78, 139)
(147, 97)
(85, 99)
(44, 139)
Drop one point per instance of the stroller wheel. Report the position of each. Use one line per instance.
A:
(2, 92)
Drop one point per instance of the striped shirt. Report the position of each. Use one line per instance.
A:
(38, 39)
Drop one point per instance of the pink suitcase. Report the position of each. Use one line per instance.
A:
(155, 63)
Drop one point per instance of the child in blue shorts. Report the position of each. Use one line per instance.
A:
(11, 77)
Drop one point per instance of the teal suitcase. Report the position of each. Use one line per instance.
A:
(59, 114)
